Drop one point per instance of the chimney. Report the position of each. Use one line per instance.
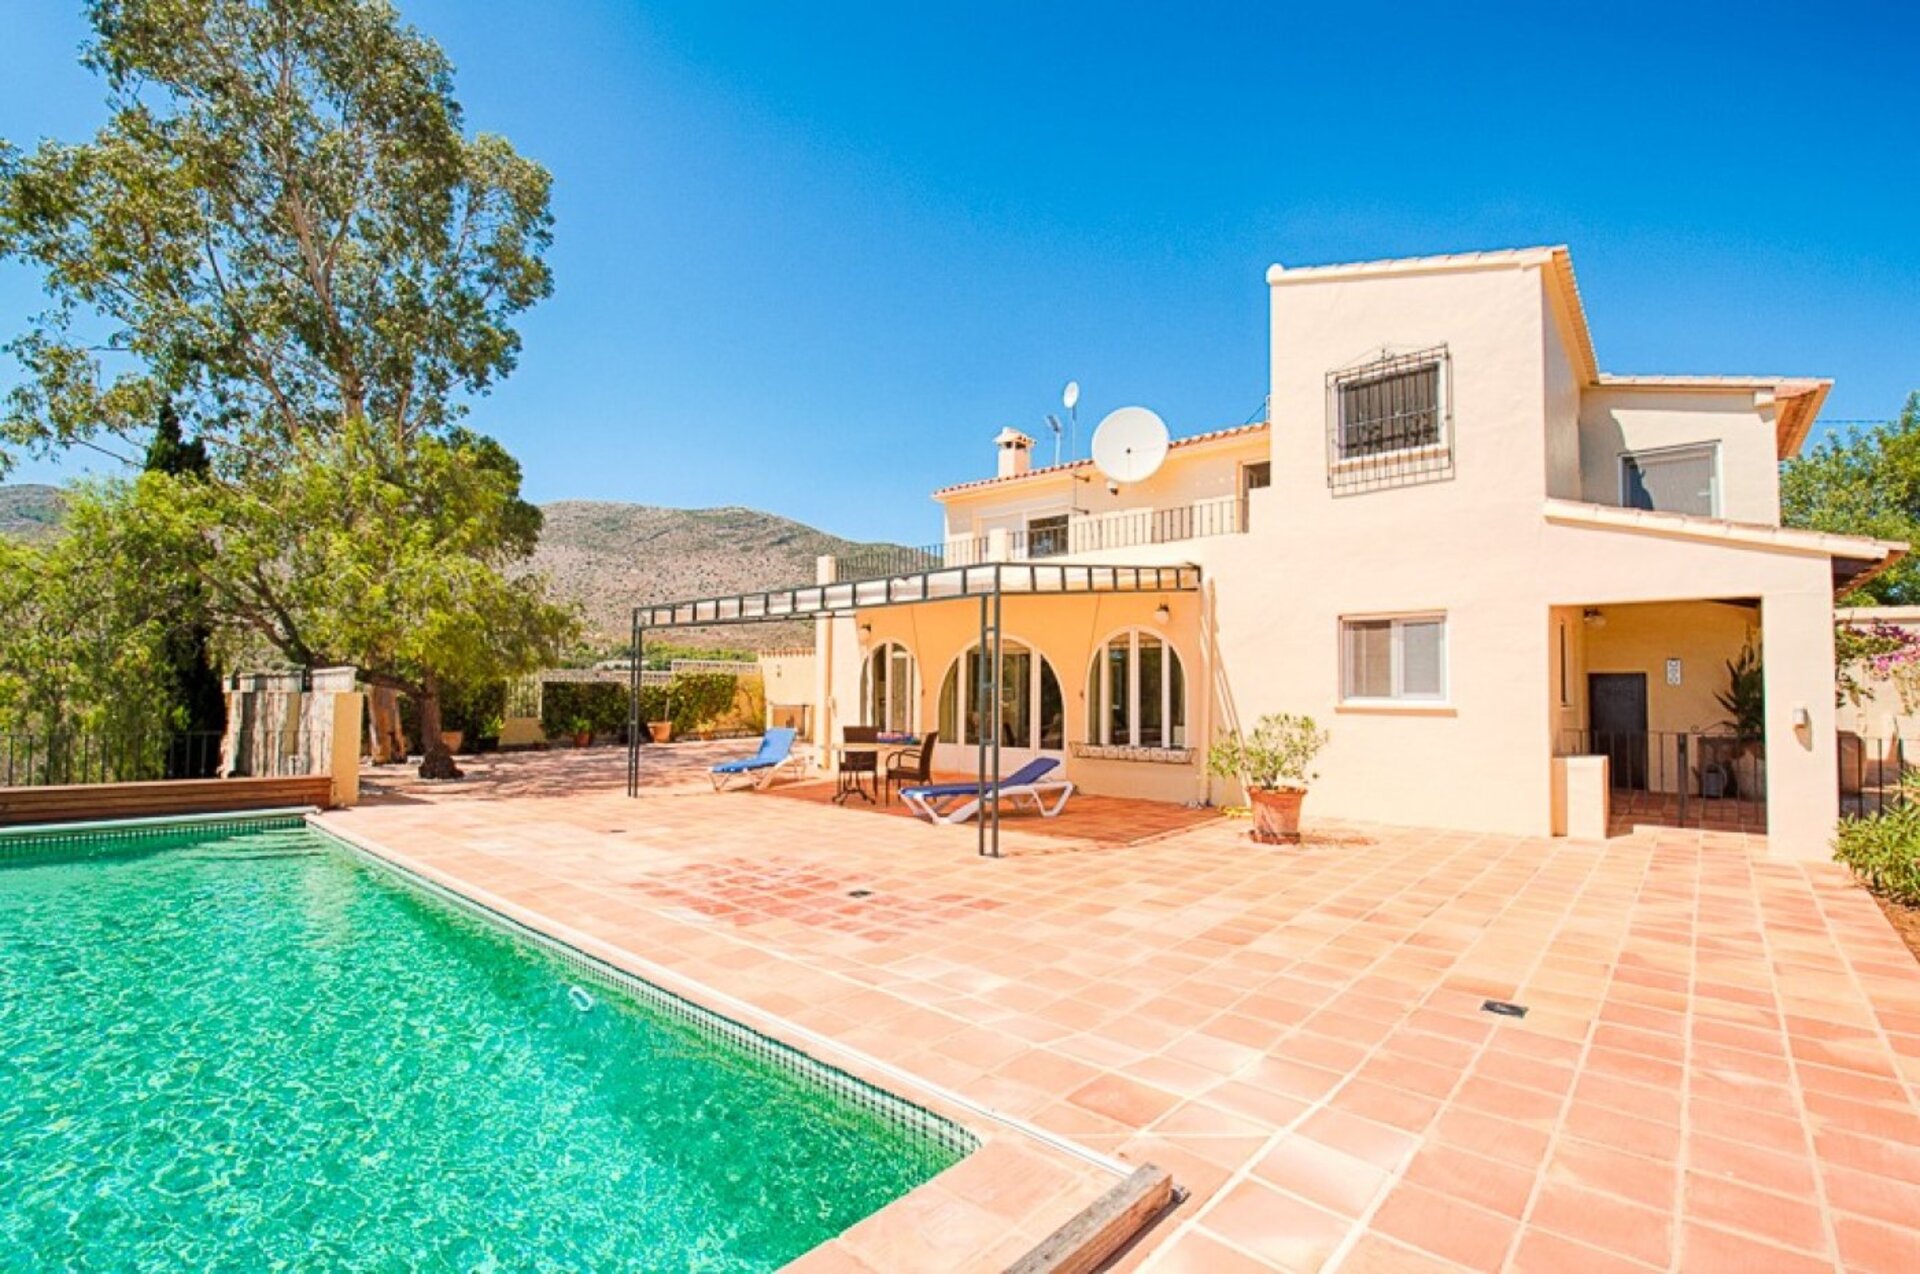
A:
(1016, 452)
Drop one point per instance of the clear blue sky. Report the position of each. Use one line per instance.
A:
(864, 237)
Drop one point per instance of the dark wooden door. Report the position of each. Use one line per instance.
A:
(1617, 715)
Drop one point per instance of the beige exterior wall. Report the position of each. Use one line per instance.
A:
(1067, 631)
(1484, 547)
(1194, 474)
(1642, 638)
(789, 678)
(1614, 421)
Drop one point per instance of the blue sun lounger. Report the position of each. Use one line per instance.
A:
(958, 802)
(776, 753)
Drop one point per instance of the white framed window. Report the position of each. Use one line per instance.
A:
(889, 689)
(1137, 692)
(1672, 479)
(1032, 709)
(1394, 658)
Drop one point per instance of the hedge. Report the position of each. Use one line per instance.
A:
(691, 702)
(1884, 850)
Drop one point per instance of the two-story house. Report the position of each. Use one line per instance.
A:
(1476, 557)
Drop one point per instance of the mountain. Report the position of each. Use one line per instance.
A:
(30, 511)
(610, 557)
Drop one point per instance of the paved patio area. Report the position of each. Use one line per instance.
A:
(1719, 1070)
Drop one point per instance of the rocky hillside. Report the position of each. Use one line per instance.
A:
(29, 511)
(608, 557)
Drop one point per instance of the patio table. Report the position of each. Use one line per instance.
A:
(861, 759)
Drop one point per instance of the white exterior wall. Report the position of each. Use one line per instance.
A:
(1191, 475)
(1617, 420)
(1480, 546)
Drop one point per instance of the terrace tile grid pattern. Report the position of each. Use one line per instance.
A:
(1720, 1068)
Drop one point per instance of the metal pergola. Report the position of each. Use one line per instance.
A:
(988, 584)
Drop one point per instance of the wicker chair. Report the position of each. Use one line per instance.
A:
(908, 767)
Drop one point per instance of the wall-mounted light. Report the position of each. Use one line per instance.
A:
(1161, 614)
(1593, 618)
(1802, 719)
(866, 630)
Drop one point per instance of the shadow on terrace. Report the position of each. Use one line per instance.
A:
(679, 771)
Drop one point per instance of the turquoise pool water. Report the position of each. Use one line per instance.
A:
(249, 1051)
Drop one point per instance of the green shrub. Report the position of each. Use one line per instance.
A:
(1277, 753)
(694, 702)
(602, 705)
(700, 699)
(1884, 850)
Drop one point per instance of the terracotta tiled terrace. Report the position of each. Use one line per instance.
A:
(1719, 1069)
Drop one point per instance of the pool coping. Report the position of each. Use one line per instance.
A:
(151, 822)
(1100, 1224)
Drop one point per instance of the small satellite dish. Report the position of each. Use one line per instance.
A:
(1070, 397)
(1130, 444)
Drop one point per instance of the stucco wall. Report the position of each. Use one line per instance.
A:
(1205, 471)
(1564, 479)
(1067, 631)
(1479, 546)
(1613, 421)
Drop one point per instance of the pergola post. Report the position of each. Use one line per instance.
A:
(981, 685)
(990, 807)
(633, 709)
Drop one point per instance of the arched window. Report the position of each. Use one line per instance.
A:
(1032, 711)
(1137, 693)
(889, 691)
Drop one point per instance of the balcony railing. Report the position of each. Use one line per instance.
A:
(1080, 533)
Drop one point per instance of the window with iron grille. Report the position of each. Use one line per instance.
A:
(1387, 422)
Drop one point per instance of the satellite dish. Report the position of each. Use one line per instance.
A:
(1070, 397)
(1130, 444)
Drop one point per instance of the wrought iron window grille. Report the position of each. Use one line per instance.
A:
(1390, 422)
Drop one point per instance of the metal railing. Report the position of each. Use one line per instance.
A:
(882, 561)
(1873, 774)
(1132, 528)
(68, 756)
(1081, 533)
(1688, 778)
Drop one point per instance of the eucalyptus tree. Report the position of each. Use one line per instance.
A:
(283, 231)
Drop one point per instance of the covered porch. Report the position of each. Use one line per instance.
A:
(1670, 696)
(1099, 669)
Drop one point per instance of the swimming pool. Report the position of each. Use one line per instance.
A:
(239, 1046)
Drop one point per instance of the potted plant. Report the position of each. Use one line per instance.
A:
(489, 737)
(454, 739)
(1272, 763)
(1745, 701)
(661, 731)
(581, 728)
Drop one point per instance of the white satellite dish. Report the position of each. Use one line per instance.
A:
(1130, 444)
(1070, 397)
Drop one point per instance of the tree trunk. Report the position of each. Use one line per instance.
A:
(435, 761)
(388, 741)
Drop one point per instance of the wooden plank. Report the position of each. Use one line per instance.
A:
(68, 803)
(1099, 1230)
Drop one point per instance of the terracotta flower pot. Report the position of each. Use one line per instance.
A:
(453, 739)
(1276, 814)
(660, 731)
(583, 739)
